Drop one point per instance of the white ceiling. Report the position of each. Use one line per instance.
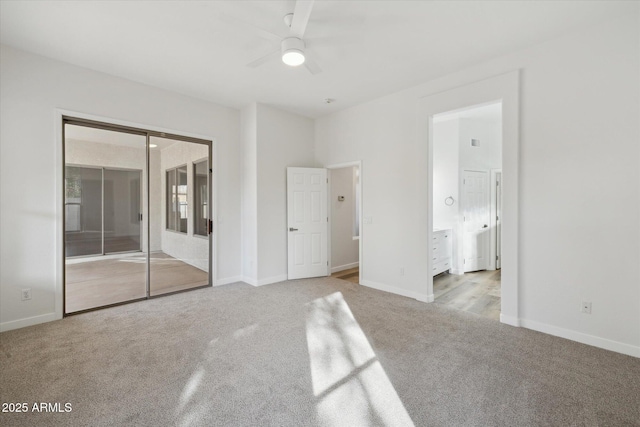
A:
(366, 48)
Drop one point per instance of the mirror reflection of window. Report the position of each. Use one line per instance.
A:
(182, 199)
(177, 205)
(201, 197)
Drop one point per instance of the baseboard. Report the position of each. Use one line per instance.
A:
(395, 290)
(344, 267)
(265, 281)
(250, 280)
(228, 280)
(509, 320)
(29, 321)
(273, 279)
(580, 337)
(426, 298)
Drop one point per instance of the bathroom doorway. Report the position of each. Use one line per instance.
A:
(467, 160)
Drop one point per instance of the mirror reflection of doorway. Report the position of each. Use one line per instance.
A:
(131, 232)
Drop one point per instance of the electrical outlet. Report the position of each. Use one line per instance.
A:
(26, 294)
(402, 271)
(586, 307)
(368, 220)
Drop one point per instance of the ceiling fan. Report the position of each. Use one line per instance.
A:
(292, 49)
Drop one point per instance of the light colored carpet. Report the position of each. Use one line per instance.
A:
(318, 352)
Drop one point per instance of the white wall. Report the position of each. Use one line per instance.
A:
(283, 140)
(344, 249)
(579, 185)
(272, 140)
(446, 172)
(486, 156)
(187, 247)
(446, 183)
(249, 170)
(31, 88)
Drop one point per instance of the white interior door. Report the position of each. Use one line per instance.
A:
(307, 222)
(476, 219)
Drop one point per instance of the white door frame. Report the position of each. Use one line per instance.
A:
(357, 163)
(493, 245)
(505, 88)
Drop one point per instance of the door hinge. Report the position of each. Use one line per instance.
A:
(464, 261)
(497, 218)
(327, 180)
(327, 263)
(497, 257)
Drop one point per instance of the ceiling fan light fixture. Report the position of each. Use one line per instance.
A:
(293, 51)
(293, 57)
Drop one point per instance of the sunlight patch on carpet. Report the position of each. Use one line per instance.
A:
(246, 331)
(349, 383)
(191, 387)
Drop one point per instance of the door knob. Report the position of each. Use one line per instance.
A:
(485, 226)
(293, 229)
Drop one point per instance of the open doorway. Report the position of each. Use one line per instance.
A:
(344, 211)
(466, 209)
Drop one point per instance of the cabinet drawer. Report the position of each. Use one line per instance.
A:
(440, 252)
(441, 266)
(441, 246)
(441, 236)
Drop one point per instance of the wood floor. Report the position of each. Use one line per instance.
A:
(102, 282)
(476, 292)
(350, 275)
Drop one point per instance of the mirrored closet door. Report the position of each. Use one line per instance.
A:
(137, 215)
(179, 207)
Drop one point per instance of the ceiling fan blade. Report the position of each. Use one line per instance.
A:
(266, 58)
(246, 26)
(312, 66)
(301, 14)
